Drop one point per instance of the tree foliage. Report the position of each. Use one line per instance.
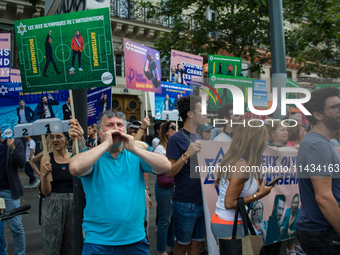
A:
(241, 28)
(316, 39)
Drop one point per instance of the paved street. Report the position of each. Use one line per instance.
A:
(33, 230)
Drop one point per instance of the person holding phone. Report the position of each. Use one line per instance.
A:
(246, 149)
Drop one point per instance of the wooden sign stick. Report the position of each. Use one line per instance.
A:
(47, 156)
(146, 110)
(73, 117)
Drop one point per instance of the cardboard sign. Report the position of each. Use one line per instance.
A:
(66, 51)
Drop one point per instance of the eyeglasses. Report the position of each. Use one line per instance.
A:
(173, 127)
(335, 107)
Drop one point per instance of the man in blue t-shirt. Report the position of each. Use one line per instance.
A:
(113, 182)
(182, 151)
(318, 166)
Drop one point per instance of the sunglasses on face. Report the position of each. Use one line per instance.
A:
(172, 127)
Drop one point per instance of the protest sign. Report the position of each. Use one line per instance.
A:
(185, 67)
(260, 94)
(167, 100)
(142, 67)
(5, 57)
(225, 94)
(98, 102)
(11, 94)
(282, 159)
(66, 51)
(224, 65)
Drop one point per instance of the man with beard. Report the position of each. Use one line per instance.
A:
(318, 223)
(102, 171)
(274, 225)
(44, 108)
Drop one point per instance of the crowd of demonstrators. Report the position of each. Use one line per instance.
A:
(100, 170)
(164, 189)
(318, 223)
(182, 148)
(246, 149)
(101, 166)
(226, 113)
(57, 218)
(11, 159)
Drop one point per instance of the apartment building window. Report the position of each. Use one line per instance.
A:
(120, 65)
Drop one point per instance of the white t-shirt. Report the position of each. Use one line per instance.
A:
(160, 149)
(223, 137)
(155, 142)
(47, 112)
(29, 145)
(248, 190)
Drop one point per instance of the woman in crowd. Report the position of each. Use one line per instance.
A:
(288, 227)
(57, 220)
(295, 135)
(257, 218)
(278, 134)
(164, 188)
(246, 149)
(157, 128)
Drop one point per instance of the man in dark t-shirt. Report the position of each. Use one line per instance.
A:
(187, 200)
(318, 167)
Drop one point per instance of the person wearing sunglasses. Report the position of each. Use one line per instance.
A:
(164, 189)
(102, 171)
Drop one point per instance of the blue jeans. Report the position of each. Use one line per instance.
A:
(138, 248)
(30, 173)
(15, 224)
(189, 222)
(164, 209)
(319, 242)
(2, 249)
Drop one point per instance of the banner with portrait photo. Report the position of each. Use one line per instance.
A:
(286, 190)
(98, 102)
(166, 102)
(185, 67)
(66, 51)
(142, 67)
(10, 96)
(5, 57)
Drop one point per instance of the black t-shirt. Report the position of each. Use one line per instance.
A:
(188, 190)
(62, 179)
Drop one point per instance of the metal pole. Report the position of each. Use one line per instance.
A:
(80, 107)
(278, 50)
